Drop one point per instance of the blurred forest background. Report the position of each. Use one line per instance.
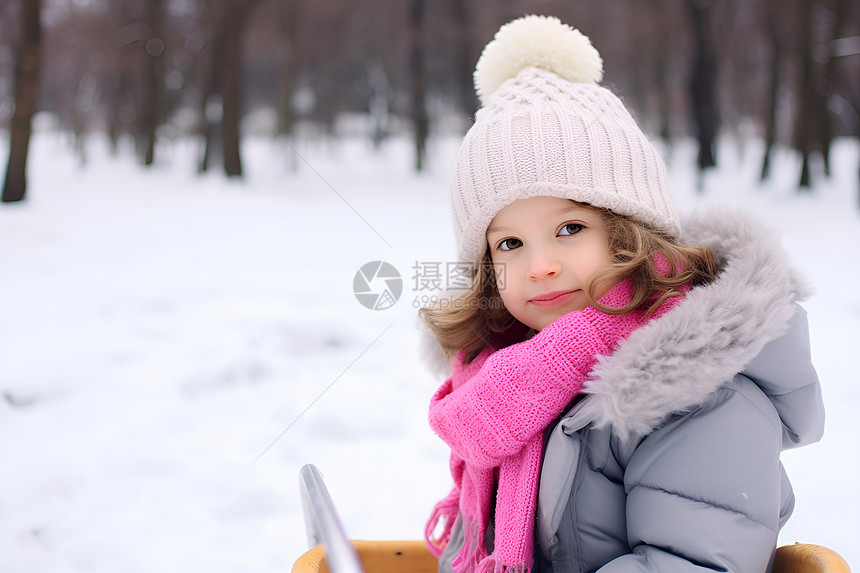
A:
(787, 72)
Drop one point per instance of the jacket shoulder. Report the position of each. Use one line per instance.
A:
(724, 453)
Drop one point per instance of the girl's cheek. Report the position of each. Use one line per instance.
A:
(504, 273)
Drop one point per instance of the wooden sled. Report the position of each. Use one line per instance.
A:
(325, 529)
(413, 557)
(808, 558)
(376, 557)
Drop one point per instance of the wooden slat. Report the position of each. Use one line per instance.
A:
(413, 557)
(808, 558)
(376, 557)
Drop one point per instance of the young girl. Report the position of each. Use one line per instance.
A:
(622, 384)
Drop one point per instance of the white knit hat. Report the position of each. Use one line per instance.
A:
(547, 129)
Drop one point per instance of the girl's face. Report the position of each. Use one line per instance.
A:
(544, 250)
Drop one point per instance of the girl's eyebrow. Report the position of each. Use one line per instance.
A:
(498, 230)
(562, 211)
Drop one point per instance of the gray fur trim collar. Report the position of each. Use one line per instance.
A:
(719, 328)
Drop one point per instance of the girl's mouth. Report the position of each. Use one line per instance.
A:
(552, 298)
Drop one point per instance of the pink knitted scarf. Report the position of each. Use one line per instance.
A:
(493, 412)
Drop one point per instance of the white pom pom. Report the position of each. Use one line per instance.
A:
(541, 41)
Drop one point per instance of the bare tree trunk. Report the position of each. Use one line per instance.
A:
(211, 112)
(231, 83)
(420, 119)
(379, 105)
(210, 108)
(288, 16)
(27, 67)
(840, 24)
(703, 85)
(220, 105)
(662, 53)
(152, 102)
(463, 63)
(114, 91)
(775, 27)
(662, 79)
(805, 118)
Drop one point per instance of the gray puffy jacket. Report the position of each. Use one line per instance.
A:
(670, 462)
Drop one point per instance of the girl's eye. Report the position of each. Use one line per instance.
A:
(510, 244)
(570, 229)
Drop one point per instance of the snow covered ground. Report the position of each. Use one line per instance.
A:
(173, 349)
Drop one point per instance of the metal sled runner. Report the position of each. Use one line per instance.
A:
(333, 553)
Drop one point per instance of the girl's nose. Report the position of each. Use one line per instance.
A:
(543, 265)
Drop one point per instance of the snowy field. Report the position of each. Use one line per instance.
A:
(173, 349)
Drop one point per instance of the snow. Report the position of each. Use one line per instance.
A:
(173, 348)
